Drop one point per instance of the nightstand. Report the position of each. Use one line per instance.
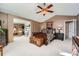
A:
(59, 36)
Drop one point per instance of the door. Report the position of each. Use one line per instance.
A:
(71, 29)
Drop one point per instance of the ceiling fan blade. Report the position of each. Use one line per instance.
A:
(38, 12)
(40, 7)
(49, 6)
(50, 11)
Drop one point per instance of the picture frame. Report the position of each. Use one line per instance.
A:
(49, 24)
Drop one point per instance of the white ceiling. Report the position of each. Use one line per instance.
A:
(28, 10)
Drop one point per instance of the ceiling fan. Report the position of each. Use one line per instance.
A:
(45, 9)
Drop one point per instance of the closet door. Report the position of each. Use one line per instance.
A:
(78, 24)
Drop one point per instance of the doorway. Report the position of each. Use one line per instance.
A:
(70, 29)
(22, 29)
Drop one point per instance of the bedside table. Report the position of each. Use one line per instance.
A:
(59, 36)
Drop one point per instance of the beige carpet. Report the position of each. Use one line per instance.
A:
(22, 47)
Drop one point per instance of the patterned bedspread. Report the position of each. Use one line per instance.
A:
(50, 37)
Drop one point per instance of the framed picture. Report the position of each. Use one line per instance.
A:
(49, 24)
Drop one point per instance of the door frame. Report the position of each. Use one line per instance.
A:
(73, 20)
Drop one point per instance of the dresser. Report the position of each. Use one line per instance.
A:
(59, 36)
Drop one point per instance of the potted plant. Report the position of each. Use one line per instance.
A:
(1, 31)
(3, 35)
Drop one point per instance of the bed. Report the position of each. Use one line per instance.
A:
(42, 38)
(38, 39)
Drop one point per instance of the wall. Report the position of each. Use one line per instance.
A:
(4, 20)
(35, 26)
(67, 29)
(57, 21)
(10, 28)
(7, 23)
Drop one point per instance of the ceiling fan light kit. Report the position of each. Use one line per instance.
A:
(44, 10)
